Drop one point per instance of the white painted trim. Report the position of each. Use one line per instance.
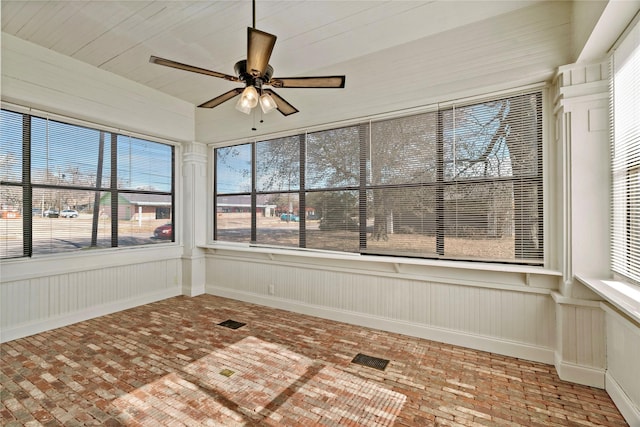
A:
(624, 296)
(193, 284)
(585, 375)
(47, 324)
(609, 29)
(629, 411)
(193, 291)
(77, 261)
(447, 336)
(560, 299)
(591, 92)
(515, 278)
(219, 248)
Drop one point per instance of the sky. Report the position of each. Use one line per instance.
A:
(70, 154)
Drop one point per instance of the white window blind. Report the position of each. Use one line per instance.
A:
(12, 160)
(455, 183)
(67, 187)
(460, 183)
(625, 155)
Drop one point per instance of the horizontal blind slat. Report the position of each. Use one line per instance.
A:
(625, 157)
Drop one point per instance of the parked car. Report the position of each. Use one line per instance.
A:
(69, 213)
(51, 213)
(289, 217)
(164, 232)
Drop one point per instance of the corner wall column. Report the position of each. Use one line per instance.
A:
(194, 218)
(581, 107)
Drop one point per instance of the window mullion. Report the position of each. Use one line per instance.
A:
(254, 203)
(114, 190)
(215, 195)
(27, 189)
(302, 199)
(363, 134)
(440, 184)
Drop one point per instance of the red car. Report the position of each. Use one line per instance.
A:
(164, 232)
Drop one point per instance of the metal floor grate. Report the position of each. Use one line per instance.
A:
(231, 324)
(370, 361)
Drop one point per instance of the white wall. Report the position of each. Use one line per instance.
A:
(43, 79)
(45, 292)
(502, 310)
(623, 351)
(41, 294)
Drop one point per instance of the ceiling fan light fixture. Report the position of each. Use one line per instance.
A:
(267, 103)
(248, 100)
(243, 107)
(251, 95)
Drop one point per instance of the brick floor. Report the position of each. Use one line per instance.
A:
(170, 363)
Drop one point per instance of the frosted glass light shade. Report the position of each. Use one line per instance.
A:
(267, 103)
(248, 100)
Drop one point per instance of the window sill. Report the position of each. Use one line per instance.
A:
(458, 272)
(84, 260)
(624, 296)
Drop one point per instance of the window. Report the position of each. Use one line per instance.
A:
(458, 183)
(67, 187)
(625, 155)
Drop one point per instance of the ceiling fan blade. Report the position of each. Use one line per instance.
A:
(336, 82)
(222, 98)
(259, 48)
(283, 106)
(185, 67)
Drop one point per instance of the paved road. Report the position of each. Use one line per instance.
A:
(51, 235)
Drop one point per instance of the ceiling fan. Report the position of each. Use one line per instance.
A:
(255, 72)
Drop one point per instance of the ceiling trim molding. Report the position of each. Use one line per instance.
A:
(615, 19)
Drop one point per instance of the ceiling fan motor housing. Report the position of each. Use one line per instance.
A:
(257, 81)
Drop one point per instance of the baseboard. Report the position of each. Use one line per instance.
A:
(31, 328)
(476, 342)
(193, 291)
(585, 375)
(627, 408)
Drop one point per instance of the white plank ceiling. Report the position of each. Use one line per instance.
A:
(395, 54)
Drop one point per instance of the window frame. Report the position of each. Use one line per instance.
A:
(108, 186)
(363, 187)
